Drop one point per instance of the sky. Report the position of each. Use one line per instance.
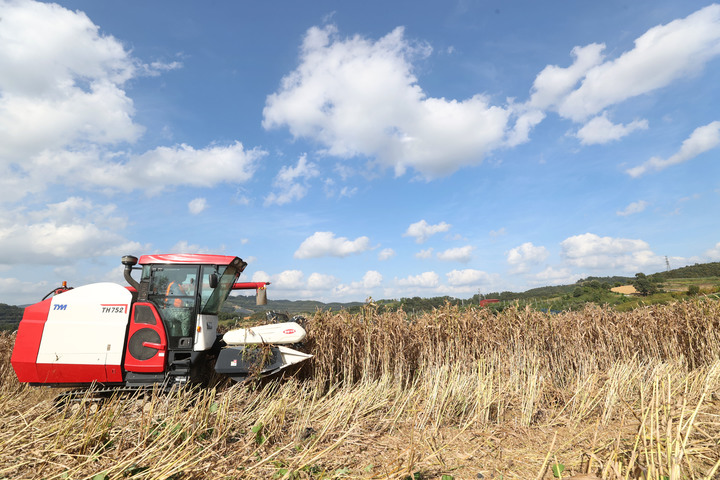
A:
(355, 150)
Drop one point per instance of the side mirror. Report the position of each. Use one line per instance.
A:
(213, 280)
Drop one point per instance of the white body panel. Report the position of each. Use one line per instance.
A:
(205, 332)
(87, 326)
(291, 357)
(276, 333)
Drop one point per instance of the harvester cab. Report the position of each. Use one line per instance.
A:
(161, 329)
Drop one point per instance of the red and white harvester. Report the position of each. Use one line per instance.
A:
(161, 330)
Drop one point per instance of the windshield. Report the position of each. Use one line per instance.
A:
(173, 290)
(213, 298)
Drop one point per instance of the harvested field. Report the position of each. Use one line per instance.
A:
(459, 393)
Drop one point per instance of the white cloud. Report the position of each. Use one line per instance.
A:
(701, 140)
(554, 83)
(526, 121)
(386, 254)
(714, 253)
(321, 282)
(332, 191)
(197, 205)
(260, 276)
(61, 89)
(424, 280)
(370, 281)
(153, 171)
(661, 55)
(318, 286)
(62, 233)
(156, 68)
(114, 275)
(293, 283)
(288, 280)
(427, 253)
(184, 247)
(292, 182)
(458, 254)
(63, 86)
(602, 130)
(174, 166)
(359, 97)
(634, 207)
(592, 251)
(324, 244)
(63, 102)
(347, 191)
(421, 230)
(469, 277)
(522, 258)
(552, 276)
(23, 292)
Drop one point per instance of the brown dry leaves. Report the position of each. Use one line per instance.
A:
(456, 392)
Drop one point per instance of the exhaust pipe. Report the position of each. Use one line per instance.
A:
(260, 290)
(129, 261)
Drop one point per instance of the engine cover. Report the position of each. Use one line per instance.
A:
(75, 337)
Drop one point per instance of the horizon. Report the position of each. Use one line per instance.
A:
(269, 299)
(439, 149)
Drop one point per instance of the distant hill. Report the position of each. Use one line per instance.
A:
(699, 270)
(555, 290)
(242, 304)
(611, 280)
(10, 316)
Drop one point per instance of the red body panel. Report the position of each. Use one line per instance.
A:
(114, 373)
(155, 364)
(249, 285)
(73, 373)
(193, 258)
(27, 342)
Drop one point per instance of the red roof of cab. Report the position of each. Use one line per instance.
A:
(194, 258)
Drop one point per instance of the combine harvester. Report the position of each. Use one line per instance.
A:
(160, 331)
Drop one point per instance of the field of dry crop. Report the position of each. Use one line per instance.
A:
(453, 394)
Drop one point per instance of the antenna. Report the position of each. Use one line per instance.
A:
(667, 264)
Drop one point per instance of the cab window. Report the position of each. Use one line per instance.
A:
(173, 290)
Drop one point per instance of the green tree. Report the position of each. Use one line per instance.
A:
(643, 285)
(693, 290)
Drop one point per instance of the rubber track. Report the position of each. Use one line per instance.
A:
(98, 394)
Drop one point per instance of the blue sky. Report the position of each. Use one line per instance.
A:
(349, 150)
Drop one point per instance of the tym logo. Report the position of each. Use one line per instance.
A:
(59, 306)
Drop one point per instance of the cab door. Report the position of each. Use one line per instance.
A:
(147, 344)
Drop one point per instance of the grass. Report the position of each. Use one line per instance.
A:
(453, 392)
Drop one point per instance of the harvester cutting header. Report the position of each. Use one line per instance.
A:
(159, 330)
